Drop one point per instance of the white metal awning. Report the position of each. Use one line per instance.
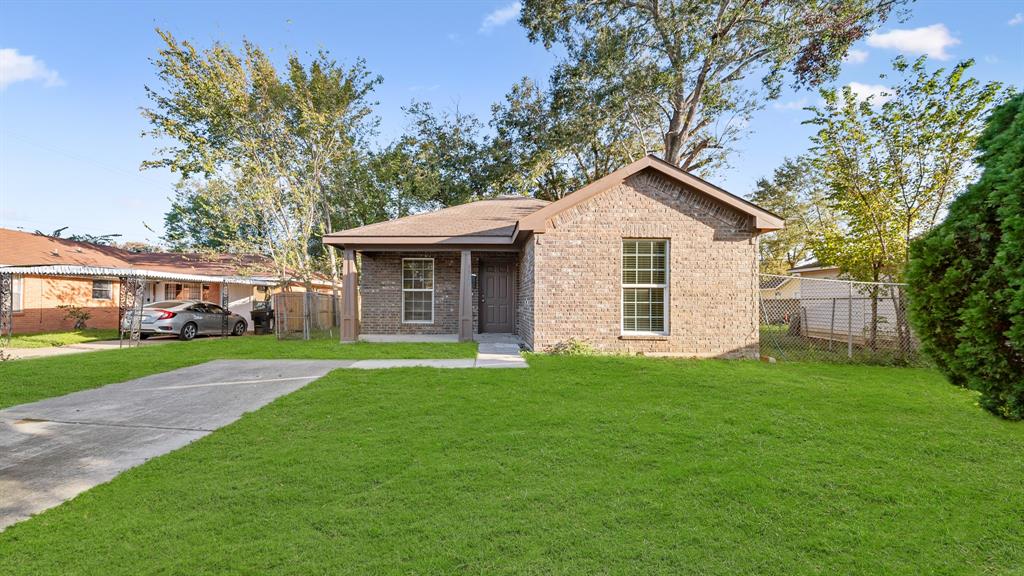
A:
(114, 273)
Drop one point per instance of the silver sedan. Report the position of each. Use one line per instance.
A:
(187, 319)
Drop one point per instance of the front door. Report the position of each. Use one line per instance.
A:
(496, 303)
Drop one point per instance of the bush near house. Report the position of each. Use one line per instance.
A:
(967, 275)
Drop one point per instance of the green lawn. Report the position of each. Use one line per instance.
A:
(575, 466)
(49, 339)
(29, 380)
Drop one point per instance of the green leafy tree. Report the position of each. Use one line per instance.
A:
(552, 142)
(796, 192)
(679, 69)
(891, 169)
(440, 161)
(967, 274)
(200, 218)
(274, 140)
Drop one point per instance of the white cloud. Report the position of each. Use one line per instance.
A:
(931, 40)
(855, 56)
(792, 105)
(1018, 18)
(15, 67)
(500, 17)
(879, 94)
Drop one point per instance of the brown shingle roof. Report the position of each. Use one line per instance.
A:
(24, 249)
(203, 264)
(495, 217)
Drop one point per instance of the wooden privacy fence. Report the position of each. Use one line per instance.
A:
(306, 315)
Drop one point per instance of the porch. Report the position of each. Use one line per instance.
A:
(402, 295)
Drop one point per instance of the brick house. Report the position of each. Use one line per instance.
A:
(649, 259)
(51, 272)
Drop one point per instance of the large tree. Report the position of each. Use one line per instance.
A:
(681, 69)
(967, 274)
(273, 139)
(795, 192)
(892, 166)
(891, 169)
(439, 161)
(550, 142)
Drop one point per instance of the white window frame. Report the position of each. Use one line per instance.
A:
(665, 288)
(18, 304)
(433, 274)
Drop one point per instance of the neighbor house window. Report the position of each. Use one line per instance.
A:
(418, 290)
(174, 291)
(644, 286)
(17, 293)
(101, 290)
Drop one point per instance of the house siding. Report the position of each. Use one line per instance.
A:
(713, 281)
(41, 296)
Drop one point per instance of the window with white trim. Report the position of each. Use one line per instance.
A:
(18, 293)
(418, 290)
(644, 286)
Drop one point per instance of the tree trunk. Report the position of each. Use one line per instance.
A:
(873, 337)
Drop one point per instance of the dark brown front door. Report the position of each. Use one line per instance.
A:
(496, 297)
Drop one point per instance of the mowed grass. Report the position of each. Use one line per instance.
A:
(50, 339)
(574, 466)
(24, 381)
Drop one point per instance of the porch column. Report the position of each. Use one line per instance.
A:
(466, 298)
(350, 299)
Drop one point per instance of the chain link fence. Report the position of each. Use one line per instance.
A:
(306, 316)
(817, 319)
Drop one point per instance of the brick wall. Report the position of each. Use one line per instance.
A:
(712, 275)
(524, 305)
(380, 292)
(42, 295)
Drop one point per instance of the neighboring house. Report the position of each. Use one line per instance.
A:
(649, 259)
(834, 308)
(50, 272)
(814, 269)
(779, 287)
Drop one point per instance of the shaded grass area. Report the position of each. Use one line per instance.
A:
(29, 380)
(50, 339)
(575, 466)
(777, 342)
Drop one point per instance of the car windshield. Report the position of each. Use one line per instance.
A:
(165, 304)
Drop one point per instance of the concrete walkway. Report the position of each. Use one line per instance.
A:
(24, 353)
(54, 449)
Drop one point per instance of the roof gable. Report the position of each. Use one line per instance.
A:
(538, 221)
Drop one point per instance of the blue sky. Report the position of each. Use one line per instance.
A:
(72, 77)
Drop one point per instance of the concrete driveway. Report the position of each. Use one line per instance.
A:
(54, 449)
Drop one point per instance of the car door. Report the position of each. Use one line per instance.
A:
(216, 316)
(200, 316)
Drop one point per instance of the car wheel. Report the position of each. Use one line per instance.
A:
(188, 331)
(239, 329)
(144, 336)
